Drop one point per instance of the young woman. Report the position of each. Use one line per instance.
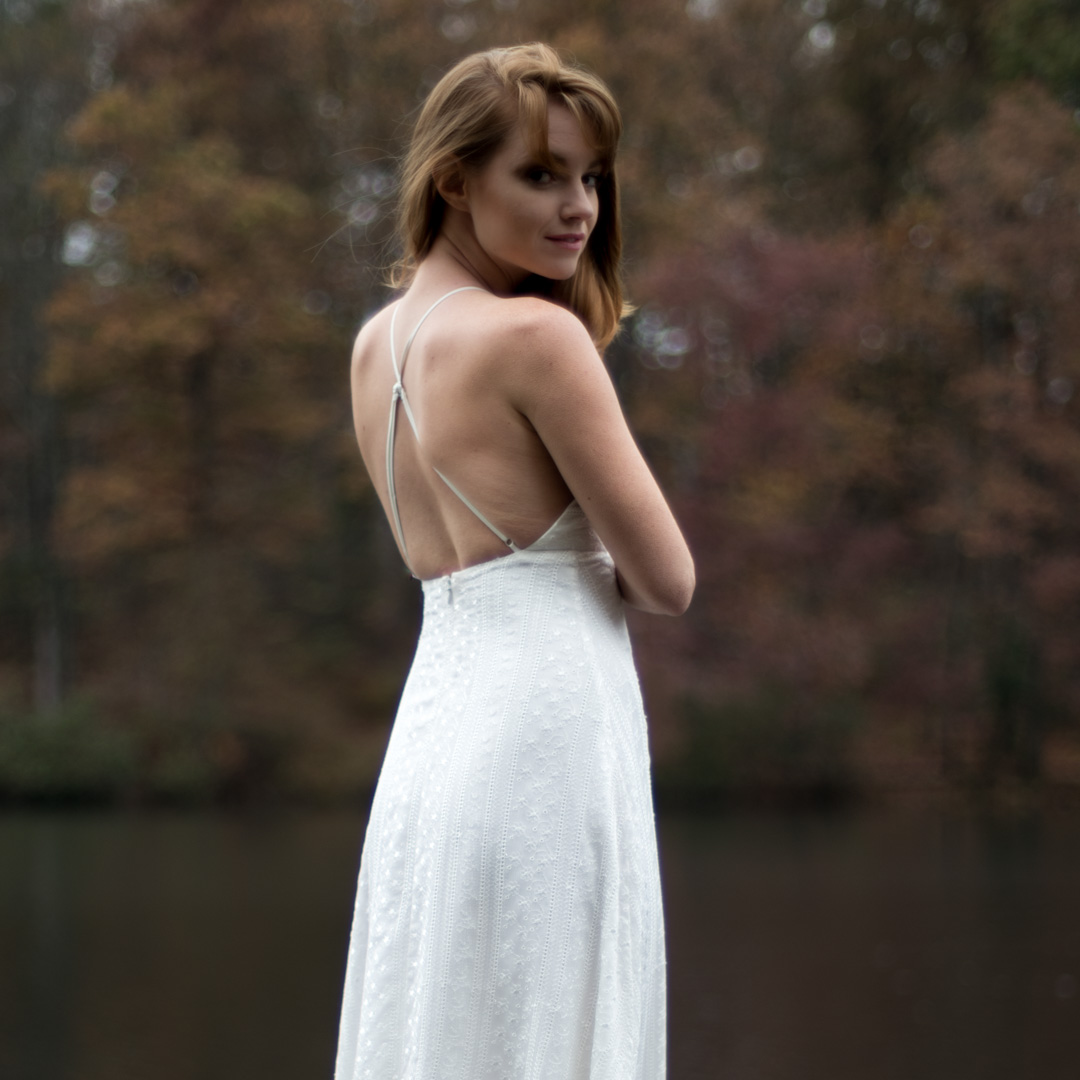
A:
(508, 921)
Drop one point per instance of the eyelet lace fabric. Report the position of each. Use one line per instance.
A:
(508, 921)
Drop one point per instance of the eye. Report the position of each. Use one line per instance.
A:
(592, 180)
(538, 175)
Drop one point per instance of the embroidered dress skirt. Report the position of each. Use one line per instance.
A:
(508, 921)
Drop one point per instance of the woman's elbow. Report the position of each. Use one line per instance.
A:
(679, 590)
(667, 593)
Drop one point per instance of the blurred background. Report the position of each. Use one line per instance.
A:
(853, 240)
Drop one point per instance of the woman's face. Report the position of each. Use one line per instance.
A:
(528, 218)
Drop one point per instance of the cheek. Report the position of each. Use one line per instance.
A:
(518, 218)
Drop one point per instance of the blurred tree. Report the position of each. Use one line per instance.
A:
(1007, 449)
(885, 503)
(200, 355)
(852, 237)
(212, 512)
(44, 57)
(1038, 39)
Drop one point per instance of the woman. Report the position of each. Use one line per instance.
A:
(508, 921)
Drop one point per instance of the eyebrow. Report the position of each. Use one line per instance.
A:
(558, 159)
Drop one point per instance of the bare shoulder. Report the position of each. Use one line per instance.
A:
(531, 324)
(369, 339)
(529, 340)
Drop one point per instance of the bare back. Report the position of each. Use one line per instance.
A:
(469, 435)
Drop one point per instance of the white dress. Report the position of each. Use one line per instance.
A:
(508, 921)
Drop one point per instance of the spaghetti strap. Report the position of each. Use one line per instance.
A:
(398, 395)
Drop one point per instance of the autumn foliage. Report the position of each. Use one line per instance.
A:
(854, 243)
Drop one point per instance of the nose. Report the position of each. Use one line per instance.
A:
(580, 203)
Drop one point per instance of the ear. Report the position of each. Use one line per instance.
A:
(450, 184)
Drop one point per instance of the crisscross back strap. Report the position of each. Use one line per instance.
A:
(398, 395)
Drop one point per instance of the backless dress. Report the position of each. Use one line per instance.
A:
(508, 921)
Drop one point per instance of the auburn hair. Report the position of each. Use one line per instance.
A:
(467, 117)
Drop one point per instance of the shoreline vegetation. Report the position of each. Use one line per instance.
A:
(733, 760)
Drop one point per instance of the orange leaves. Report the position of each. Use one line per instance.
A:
(1005, 471)
(105, 515)
(194, 207)
(887, 452)
(1026, 138)
(855, 358)
(186, 346)
(990, 509)
(129, 121)
(1011, 188)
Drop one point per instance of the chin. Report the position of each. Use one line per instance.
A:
(558, 274)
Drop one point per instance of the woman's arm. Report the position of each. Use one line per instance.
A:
(558, 381)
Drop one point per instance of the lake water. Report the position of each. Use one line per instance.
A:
(841, 947)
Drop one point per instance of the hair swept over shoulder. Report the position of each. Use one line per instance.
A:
(466, 118)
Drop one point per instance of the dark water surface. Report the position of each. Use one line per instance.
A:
(862, 947)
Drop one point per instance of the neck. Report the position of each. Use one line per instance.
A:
(457, 248)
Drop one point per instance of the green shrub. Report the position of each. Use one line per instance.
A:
(770, 746)
(68, 754)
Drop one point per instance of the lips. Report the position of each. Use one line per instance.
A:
(568, 240)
